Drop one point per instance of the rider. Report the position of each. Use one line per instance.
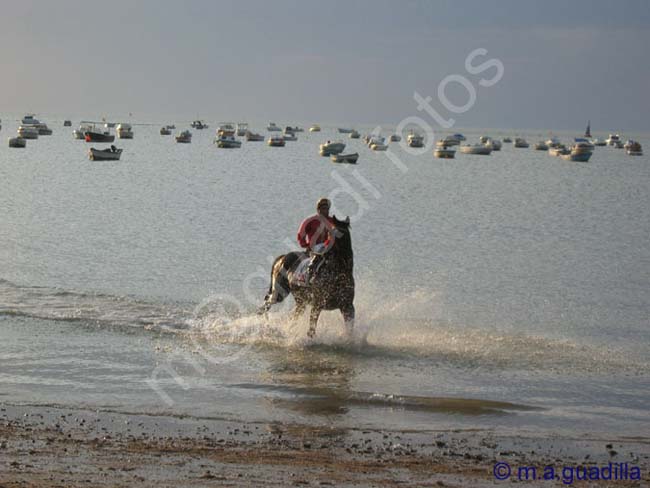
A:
(316, 234)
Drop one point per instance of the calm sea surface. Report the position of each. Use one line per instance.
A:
(509, 291)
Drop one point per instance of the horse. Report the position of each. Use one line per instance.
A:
(332, 286)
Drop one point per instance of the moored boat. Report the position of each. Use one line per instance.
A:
(242, 129)
(184, 137)
(97, 135)
(520, 142)
(354, 135)
(276, 141)
(67, 123)
(314, 128)
(613, 140)
(226, 129)
(395, 138)
(598, 141)
(343, 130)
(110, 154)
(328, 148)
(165, 131)
(28, 132)
(634, 149)
(124, 131)
(558, 150)
(507, 140)
(444, 153)
(252, 137)
(199, 125)
(227, 142)
(493, 144)
(345, 158)
(541, 146)
(475, 149)
(272, 127)
(414, 140)
(17, 142)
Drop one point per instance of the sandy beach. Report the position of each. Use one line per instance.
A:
(60, 447)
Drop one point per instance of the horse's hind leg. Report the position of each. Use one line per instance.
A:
(313, 320)
(348, 318)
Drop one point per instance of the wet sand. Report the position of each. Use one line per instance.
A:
(62, 447)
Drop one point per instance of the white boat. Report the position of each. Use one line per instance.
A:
(558, 150)
(28, 132)
(290, 136)
(634, 149)
(554, 142)
(252, 137)
(184, 137)
(110, 154)
(328, 148)
(520, 142)
(617, 144)
(584, 143)
(345, 158)
(314, 128)
(272, 127)
(17, 142)
(415, 140)
(371, 140)
(30, 121)
(226, 129)
(227, 142)
(276, 141)
(242, 129)
(444, 153)
(613, 139)
(475, 149)
(124, 131)
(580, 152)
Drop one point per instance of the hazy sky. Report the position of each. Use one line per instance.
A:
(348, 61)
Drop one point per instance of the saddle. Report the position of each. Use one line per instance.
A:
(301, 275)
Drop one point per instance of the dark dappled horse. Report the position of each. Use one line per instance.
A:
(331, 288)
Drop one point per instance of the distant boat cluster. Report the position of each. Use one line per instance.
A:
(228, 136)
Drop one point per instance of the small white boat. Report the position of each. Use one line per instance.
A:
(184, 137)
(242, 129)
(395, 138)
(520, 142)
(124, 131)
(272, 127)
(444, 153)
(345, 158)
(314, 128)
(110, 154)
(475, 149)
(378, 146)
(554, 142)
(415, 140)
(28, 132)
(276, 141)
(558, 150)
(290, 137)
(227, 142)
(634, 149)
(613, 140)
(252, 137)
(17, 142)
(617, 144)
(328, 148)
(376, 143)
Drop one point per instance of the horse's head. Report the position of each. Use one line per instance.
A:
(342, 240)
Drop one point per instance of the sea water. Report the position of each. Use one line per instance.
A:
(508, 291)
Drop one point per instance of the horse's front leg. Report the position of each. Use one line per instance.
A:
(297, 311)
(348, 318)
(313, 320)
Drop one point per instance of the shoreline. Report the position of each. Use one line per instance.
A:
(46, 446)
